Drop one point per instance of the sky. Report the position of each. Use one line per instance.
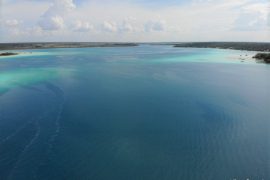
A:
(134, 20)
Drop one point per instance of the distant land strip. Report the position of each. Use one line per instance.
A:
(45, 45)
(247, 46)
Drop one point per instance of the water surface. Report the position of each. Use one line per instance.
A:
(146, 112)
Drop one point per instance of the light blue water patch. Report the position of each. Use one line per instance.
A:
(208, 55)
(27, 76)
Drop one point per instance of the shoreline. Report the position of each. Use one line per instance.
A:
(22, 46)
(242, 46)
(8, 48)
(245, 46)
(262, 49)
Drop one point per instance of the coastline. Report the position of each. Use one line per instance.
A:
(262, 49)
(43, 45)
(8, 48)
(247, 46)
(244, 46)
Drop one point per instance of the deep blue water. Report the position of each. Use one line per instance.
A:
(134, 113)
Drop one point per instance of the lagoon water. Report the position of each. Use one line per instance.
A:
(134, 113)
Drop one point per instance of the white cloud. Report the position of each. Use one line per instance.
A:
(109, 26)
(254, 17)
(151, 26)
(60, 7)
(81, 26)
(53, 19)
(12, 22)
(261, 9)
(52, 23)
(198, 20)
(268, 18)
(126, 27)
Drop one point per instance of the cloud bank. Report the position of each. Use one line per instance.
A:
(111, 20)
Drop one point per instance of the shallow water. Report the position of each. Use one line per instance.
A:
(146, 112)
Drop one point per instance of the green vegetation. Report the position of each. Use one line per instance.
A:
(263, 56)
(9, 46)
(8, 54)
(248, 46)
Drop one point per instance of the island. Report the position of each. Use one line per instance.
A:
(8, 54)
(263, 57)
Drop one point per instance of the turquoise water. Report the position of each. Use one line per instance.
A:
(146, 112)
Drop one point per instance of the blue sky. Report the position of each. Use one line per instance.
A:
(134, 20)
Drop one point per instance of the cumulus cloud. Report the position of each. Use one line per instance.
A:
(52, 23)
(195, 20)
(82, 26)
(130, 24)
(254, 17)
(12, 22)
(53, 19)
(109, 26)
(268, 18)
(60, 7)
(151, 26)
(124, 26)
